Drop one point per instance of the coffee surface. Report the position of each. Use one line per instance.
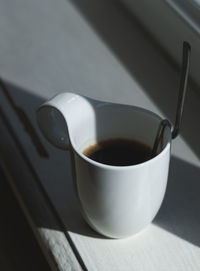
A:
(119, 152)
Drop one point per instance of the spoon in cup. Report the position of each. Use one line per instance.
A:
(180, 104)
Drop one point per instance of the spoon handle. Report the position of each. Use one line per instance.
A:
(182, 87)
(180, 104)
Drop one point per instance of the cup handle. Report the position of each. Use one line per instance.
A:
(52, 122)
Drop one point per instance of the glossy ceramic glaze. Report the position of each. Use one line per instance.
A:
(116, 201)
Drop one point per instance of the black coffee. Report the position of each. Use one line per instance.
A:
(119, 152)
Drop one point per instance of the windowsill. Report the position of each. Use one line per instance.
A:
(110, 59)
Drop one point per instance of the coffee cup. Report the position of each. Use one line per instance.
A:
(117, 201)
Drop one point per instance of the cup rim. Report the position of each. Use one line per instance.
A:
(106, 166)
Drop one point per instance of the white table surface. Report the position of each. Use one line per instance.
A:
(97, 49)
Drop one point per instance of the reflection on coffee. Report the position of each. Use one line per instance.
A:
(119, 152)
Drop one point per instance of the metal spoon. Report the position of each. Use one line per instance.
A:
(180, 104)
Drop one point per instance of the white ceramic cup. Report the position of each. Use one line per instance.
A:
(116, 201)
